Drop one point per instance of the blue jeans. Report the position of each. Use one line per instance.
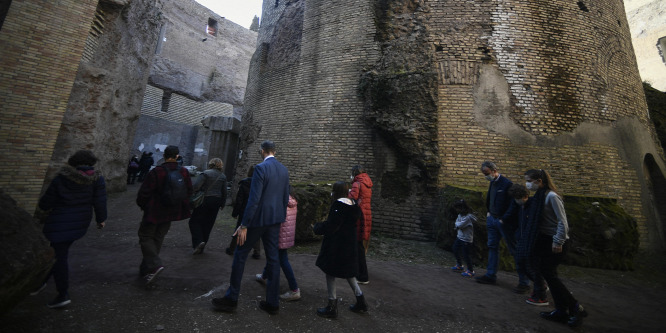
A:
(269, 236)
(464, 248)
(511, 234)
(494, 228)
(286, 268)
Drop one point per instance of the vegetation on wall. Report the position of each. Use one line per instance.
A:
(602, 234)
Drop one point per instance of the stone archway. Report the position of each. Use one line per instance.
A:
(657, 186)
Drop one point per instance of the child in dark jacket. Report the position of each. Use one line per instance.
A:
(239, 209)
(338, 256)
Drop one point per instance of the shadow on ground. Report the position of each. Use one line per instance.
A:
(411, 290)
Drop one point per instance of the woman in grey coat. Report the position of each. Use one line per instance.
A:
(214, 183)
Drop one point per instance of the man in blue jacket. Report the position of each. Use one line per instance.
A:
(266, 209)
(497, 204)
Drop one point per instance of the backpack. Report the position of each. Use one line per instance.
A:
(174, 191)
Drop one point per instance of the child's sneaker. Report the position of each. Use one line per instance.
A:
(457, 268)
(468, 274)
(533, 300)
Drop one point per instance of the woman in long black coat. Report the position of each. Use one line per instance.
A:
(70, 199)
(338, 257)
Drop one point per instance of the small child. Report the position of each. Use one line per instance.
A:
(463, 243)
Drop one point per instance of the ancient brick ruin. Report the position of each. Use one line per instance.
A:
(418, 91)
(421, 92)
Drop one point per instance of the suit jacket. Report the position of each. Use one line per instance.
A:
(269, 195)
(502, 198)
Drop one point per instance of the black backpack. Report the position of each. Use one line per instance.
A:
(174, 191)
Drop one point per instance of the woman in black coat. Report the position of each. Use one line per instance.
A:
(70, 199)
(338, 256)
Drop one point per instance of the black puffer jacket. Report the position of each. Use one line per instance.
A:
(339, 249)
(70, 198)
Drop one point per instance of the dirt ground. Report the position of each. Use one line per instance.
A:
(411, 290)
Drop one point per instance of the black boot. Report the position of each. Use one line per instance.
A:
(330, 311)
(361, 306)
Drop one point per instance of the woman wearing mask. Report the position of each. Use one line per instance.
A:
(547, 210)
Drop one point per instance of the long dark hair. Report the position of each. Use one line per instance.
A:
(535, 174)
(340, 190)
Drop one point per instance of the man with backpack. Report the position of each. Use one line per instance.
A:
(163, 197)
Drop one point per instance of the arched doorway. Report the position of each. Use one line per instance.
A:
(657, 186)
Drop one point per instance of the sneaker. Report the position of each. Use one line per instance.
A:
(260, 279)
(363, 282)
(199, 249)
(468, 274)
(59, 301)
(150, 278)
(485, 279)
(256, 255)
(521, 289)
(291, 295)
(537, 301)
(457, 268)
(38, 290)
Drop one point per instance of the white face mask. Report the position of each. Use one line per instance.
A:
(520, 202)
(531, 186)
(490, 178)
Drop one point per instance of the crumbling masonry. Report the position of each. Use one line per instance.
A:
(422, 91)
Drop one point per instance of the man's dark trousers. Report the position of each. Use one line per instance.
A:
(269, 236)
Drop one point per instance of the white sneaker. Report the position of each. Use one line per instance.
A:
(291, 295)
(260, 278)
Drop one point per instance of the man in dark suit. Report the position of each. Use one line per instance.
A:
(497, 204)
(266, 209)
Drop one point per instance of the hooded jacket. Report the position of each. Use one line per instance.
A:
(71, 198)
(361, 192)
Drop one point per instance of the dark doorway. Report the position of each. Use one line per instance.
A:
(657, 185)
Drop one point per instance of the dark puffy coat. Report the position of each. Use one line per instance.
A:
(361, 191)
(338, 255)
(148, 197)
(71, 198)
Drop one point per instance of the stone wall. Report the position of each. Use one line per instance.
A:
(105, 101)
(38, 64)
(197, 64)
(648, 34)
(545, 84)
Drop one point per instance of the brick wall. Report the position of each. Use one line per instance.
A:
(42, 43)
(528, 84)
